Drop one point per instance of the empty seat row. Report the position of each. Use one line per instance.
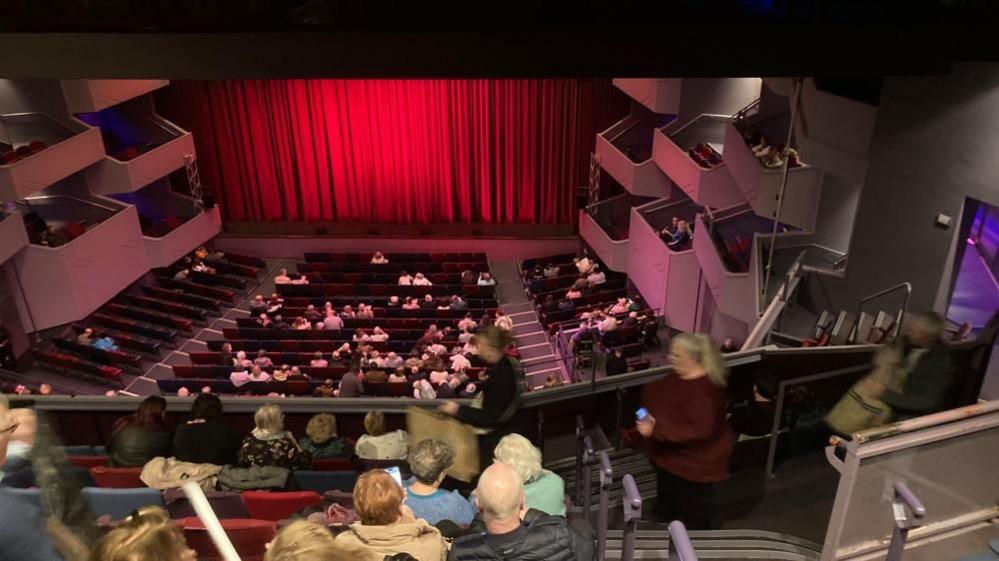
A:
(559, 259)
(169, 306)
(72, 364)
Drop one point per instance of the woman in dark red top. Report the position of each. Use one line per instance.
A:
(685, 432)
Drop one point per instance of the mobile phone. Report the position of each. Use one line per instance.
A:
(394, 472)
(641, 414)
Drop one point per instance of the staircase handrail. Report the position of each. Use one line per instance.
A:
(741, 114)
(680, 548)
(900, 315)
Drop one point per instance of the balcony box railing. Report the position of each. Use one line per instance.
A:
(13, 237)
(39, 151)
(614, 253)
(180, 241)
(659, 95)
(637, 177)
(84, 96)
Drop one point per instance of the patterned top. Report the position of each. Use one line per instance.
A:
(277, 452)
(334, 448)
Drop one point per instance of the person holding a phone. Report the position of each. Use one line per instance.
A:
(683, 429)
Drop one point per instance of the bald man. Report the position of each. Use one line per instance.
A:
(513, 533)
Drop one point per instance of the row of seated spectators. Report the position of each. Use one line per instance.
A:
(355, 510)
(769, 154)
(10, 155)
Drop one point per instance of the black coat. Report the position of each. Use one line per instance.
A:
(548, 538)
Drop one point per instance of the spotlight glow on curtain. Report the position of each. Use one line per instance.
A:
(400, 151)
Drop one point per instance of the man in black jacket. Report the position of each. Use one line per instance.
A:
(513, 533)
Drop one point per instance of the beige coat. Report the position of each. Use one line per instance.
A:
(418, 538)
(167, 473)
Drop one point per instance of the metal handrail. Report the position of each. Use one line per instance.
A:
(680, 548)
(900, 316)
(903, 502)
(72, 198)
(741, 114)
(694, 120)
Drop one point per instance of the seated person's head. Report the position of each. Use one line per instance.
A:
(374, 423)
(321, 428)
(207, 407)
(517, 452)
(926, 329)
(378, 498)
(500, 497)
(429, 460)
(269, 419)
(147, 535)
(305, 541)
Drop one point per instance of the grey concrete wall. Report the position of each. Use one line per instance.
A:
(935, 143)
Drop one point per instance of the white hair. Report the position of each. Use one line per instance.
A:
(517, 452)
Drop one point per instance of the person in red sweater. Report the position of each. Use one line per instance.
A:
(685, 432)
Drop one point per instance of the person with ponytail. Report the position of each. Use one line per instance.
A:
(684, 431)
(147, 535)
(493, 414)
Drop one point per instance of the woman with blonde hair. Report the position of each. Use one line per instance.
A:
(388, 526)
(270, 445)
(684, 431)
(321, 440)
(378, 444)
(149, 535)
(306, 541)
(543, 490)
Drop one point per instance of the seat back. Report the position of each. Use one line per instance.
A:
(88, 462)
(249, 537)
(32, 495)
(120, 503)
(333, 464)
(323, 481)
(274, 506)
(117, 478)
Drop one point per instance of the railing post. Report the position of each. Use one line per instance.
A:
(580, 433)
(903, 499)
(588, 460)
(680, 548)
(632, 504)
(606, 479)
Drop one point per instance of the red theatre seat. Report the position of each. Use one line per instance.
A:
(117, 478)
(87, 462)
(333, 464)
(266, 505)
(249, 537)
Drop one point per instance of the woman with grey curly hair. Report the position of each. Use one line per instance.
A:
(429, 461)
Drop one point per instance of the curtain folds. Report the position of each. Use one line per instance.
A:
(396, 151)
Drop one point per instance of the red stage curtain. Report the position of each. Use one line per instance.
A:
(400, 151)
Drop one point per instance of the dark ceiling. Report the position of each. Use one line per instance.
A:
(379, 38)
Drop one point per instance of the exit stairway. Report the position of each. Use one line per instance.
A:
(538, 355)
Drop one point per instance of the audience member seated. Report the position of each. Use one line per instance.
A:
(670, 229)
(485, 279)
(429, 461)
(543, 489)
(405, 279)
(18, 472)
(142, 436)
(468, 276)
(503, 321)
(616, 363)
(257, 374)
(148, 534)
(263, 360)
(378, 259)
(378, 444)
(680, 240)
(321, 440)
(105, 344)
(420, 280)
(387, 526)
(326, 389)
(270, 445)
(596, 277)
(303, 540)
(552, 271)
(86, 337)
(423, 389)
(350, 385)
(729, 346)
(520, 535)
(258, 305)
(583, 265)
(204, 438)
